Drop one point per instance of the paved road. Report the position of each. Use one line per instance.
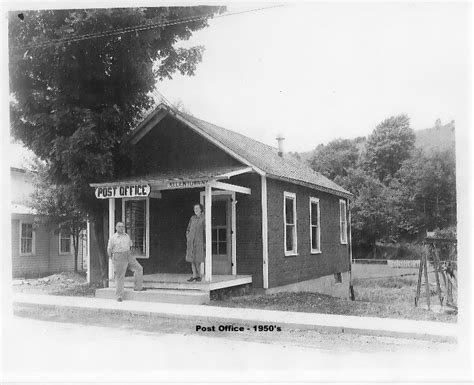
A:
(55, 350)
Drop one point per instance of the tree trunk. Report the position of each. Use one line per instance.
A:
(374, 250)
(75, 241)
(103, 260)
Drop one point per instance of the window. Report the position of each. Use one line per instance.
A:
(27, 239)
(337, 277)
(64, 243)
(219, 227)
(289, 212)
(343, 220)
(315, 228)
(135, 215)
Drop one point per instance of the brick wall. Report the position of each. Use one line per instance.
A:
(334, 256)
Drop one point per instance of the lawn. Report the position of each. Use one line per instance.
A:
(380, 291)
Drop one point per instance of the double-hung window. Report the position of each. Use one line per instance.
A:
(289, 212)
(343, 220)
(315, 225)
(64, 243)
(27, 239)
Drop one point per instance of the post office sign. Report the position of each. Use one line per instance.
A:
(123, 191)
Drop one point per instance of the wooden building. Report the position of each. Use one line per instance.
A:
(37, 249)
(270, 220)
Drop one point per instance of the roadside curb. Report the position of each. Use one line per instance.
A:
(208, 315)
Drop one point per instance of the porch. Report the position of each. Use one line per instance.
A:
(179, 282)
(174, 288)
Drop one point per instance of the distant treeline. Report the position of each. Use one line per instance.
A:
(400, 191)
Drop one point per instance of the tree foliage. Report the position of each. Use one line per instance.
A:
(399, 192)
(425, 190)
(73, 103)
(335, 158)
(373, 217)
(388, 146)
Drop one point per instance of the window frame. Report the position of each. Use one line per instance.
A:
(343, 225)
(287, 194)
(60, 252)
(33, 239)
(318, 225)
(147, 224)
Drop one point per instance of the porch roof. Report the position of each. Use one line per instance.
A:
(164, 178)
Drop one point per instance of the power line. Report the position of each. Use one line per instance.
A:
(138, 28)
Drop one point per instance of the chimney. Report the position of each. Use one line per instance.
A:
(280, 140)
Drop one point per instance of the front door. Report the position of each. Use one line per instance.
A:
(221, 226)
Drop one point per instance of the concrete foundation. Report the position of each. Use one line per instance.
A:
(324, 285)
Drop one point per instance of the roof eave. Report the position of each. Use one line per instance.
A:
(328, 190)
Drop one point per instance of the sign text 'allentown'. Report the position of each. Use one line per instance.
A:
(187, 184)
(126, 191)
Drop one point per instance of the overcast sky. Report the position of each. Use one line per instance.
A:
(324, 70)
(319, 71)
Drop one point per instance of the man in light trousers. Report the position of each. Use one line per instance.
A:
(118, 250)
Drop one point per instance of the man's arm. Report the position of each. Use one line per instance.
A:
(110, 247)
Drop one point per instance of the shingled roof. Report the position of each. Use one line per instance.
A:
(257, 154)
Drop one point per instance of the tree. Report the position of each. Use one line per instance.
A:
(372, 213)
(388, 146)
(74, 102)
(335, 158)
(425, 189)
(54, 204)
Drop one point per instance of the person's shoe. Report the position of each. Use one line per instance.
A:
(119, 299)
(191, 279)
(142, 289)
(197, 279)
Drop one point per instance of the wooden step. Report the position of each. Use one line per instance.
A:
(193, 297)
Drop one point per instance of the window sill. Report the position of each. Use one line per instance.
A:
(27, 255)
(291, 254)
(344, 243)
(316, 252)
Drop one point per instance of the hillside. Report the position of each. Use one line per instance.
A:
(439, 137)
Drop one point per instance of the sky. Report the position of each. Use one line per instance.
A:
(318, 71)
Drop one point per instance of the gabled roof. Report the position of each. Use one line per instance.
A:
(261, 157)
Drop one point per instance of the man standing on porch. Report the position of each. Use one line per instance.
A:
(118, 250)
(195, 242)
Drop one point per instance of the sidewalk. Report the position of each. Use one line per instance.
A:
(213, 315)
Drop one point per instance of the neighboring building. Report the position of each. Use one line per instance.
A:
(272, 218)
(36, 249)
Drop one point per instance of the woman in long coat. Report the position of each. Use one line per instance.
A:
(195, 242)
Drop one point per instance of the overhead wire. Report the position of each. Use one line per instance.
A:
(137, 28)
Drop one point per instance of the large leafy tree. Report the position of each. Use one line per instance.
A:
(335, 158)
(425, 188)
(388, 146)
(73, 102)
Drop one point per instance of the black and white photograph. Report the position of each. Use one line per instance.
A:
(236, 192)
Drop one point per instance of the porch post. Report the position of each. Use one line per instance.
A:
(111, 232)
(207, 213)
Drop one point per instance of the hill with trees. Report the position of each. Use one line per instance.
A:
(403, 181)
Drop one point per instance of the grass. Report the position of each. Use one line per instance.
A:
(384, 296)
